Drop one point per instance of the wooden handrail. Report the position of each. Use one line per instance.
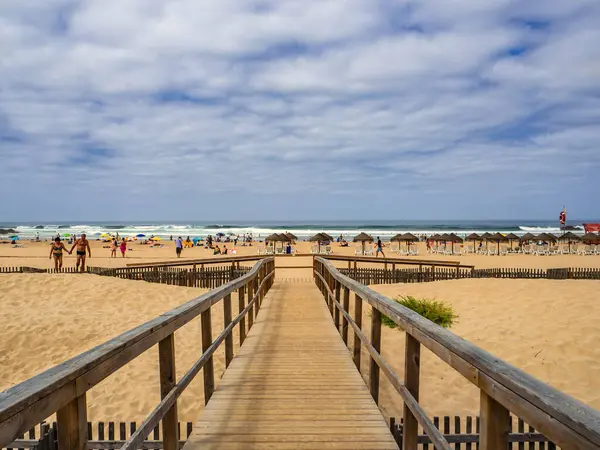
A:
(62, 388)
(401, 261)
(190, 262)
(565, 420)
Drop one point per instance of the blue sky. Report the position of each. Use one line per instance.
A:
(353, 109)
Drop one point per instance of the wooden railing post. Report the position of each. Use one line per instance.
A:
(358, 320)
(255, 291)
(208, 369)
(344, 320)
(338, 286)
(242, 305)
(495, 424)
(227, 321)
(330, 283)
(166, 362)
(72, 424)
(376, 343)
(412, 365)
(251, 310)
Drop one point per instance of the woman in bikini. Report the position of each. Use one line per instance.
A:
(123, 248)
(113, 248)
(56, 250)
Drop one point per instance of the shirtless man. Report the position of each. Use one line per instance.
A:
(82, 244)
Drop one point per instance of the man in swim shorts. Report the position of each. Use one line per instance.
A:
(379, 248)
(82, 244)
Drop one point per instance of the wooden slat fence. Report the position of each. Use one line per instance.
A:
(202, 277)
(369, 276)
(101, 435)
(463, 434)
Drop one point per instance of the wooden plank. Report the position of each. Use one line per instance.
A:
(241, 306)
(72, 424)
(358, 321)
(412, 365)
(376, 344)
(282, 393)
(494, 424)
(168, 374)
(346, 305)
(208, 370)
(229, 338)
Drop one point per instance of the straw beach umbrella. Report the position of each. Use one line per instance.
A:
(473, 237)
(511, 237)
(497, 237)
(454, 239)
(527, 237)
(362, 238)
(292, 236)
(590, 238)
(569, 237)
(485, 237)
(318, 238)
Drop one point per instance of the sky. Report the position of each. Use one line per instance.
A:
(328, 109)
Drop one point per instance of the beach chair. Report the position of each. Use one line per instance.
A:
(413, 251)
(368, 252)
(280, 251)
(314, 249)
(358, 251)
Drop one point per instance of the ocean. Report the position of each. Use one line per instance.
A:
(382, 228)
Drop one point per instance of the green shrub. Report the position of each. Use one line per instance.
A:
(438, 312)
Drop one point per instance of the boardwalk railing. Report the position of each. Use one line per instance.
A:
(62, 389)
(370, 276)
(503, 388)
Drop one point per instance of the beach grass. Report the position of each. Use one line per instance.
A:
(439, 312)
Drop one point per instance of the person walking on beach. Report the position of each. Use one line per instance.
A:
(56, 250)
(178, 246)
(113, 248)
(82, 245)
(123, 247)
(379, 248)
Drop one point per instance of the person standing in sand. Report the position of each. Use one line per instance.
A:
(178, 246)
(56, 250)
(123, 248)
(379, 248)
(113, 248)
(82, 244)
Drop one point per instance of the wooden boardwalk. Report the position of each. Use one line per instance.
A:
(292, 385)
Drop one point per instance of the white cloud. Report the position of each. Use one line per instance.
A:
(298, 98)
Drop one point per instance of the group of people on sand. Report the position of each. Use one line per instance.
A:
(114, 245)
(58, 247)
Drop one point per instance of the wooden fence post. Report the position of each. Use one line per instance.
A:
(242, 305)
(166, 360)
(208, 369)
(344, 320)
(494, 424)
(72, 424)
(338, 286)
(376, 343)
(251, 310)
(358, 321)
(412, 364)
(226, 322)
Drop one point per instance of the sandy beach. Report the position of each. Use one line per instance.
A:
(547, 328)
